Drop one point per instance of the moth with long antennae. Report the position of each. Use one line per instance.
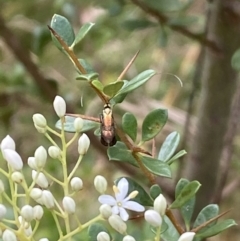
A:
(108, 137)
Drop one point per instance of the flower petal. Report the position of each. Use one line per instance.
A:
(134, 206)
(123, 189)
(115, 210)
(123, 214)
(107, 199)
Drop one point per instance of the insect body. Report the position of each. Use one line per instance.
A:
(108, 137)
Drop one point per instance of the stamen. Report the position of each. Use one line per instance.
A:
(133, 194)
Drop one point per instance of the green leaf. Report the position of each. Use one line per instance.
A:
(69, 124)
(164, 5)
(169, 146)
(143, 198)
(129, 125)
(95, 229)
(137, 81)
(176, 156)
(86, 66)
(186, 194)
(63, 28)
(113, 88)
(88, 77)
(120, 152)
(155, 166)
(135, 24)
(217, 228)
(188, 208)
(235, 61)
(170, 234)
(207, 213)
(83, 32)
(98, 84)
(153, 123)
(155, 191)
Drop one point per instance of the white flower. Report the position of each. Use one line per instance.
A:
(83, 144)
(100, 184)
(128, 238)
(37, 212)
(103, 236)
(39, 120)
(188, 236)
(27, 213)
(76, 184)
(78, 124)
(40, 157)
(117, 223)
(8, 143)
(69, 205)
(3, 211)
(9, 235)
(59, 105)
(121, 200)
(160, 205)
(153, 217)
(13, 159)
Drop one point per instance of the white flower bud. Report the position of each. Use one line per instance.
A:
(59, 106)
(83, 144)
(9, 235)
(54, 152)
(78, 124)
(160, 205)
(13, 159)
(43, 239)
(47, 199)
(117, 223)
(32, 162)
(105, 210)
(39, 121)
(37, 212)
(40, 179)
(128, 238)
(17, 177)
(153, 217)
(27, 213)
(8, 143)
(76, 184)
(1, 186)
(36, 193)
(103, 236)
(100, 184)
(3, 211)
(69, 205)
(40, 157)
(188, 236)
(40, 129)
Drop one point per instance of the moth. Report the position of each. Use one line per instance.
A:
(108, 137)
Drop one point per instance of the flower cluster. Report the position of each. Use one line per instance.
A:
(27, 216)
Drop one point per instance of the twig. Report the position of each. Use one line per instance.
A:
(180, 29)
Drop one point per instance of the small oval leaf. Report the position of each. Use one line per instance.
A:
(155, 166)
(169, 146)
(88, 77)
(83, 32)
(185, 194)
(207, 213)
(155, 191)
(112, 89)
(63, 28)
(216, 229)
(153, 123)
(89, 69)
(129, 125)
(119, 152)
(97, 84)
(137, 81)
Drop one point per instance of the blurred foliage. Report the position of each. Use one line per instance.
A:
(121, 30)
